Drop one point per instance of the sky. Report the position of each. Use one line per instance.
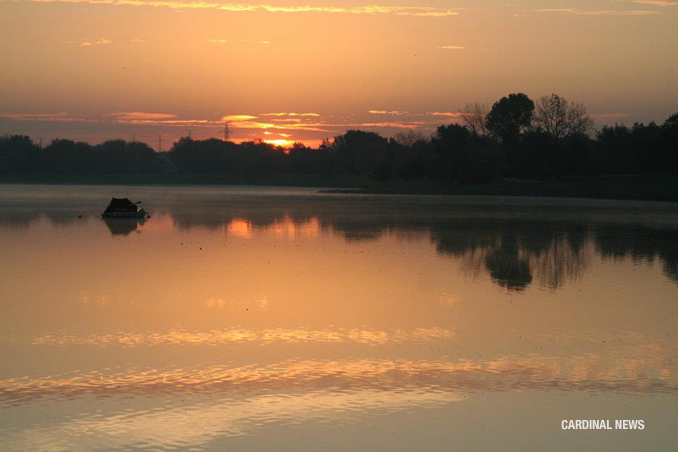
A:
(306, 70)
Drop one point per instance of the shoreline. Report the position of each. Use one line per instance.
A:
(631, 188)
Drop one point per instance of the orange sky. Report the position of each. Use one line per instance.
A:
(290, 70)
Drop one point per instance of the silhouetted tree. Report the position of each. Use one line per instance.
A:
(670, 134)
(410, 138)
(648, 156)
(557, 146)
(18, 154)
(474, 117)
(464, 156)
(509, 117)
(358, 152)
(560, 118)
(614, 150)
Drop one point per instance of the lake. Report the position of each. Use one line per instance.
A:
(264, 319)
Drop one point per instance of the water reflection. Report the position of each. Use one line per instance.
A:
(248, 314)
(239, 335)
(195, 426)
(643, 368)
(123, 226)
(526, 247)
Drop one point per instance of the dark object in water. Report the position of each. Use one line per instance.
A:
(123, 226)
(123, 208)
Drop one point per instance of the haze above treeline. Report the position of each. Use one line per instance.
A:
(514, 138)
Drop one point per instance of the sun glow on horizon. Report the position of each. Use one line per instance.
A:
(280, 143)
(405, 66)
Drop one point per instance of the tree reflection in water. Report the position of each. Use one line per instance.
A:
(517, 242)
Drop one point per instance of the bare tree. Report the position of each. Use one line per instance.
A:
(561, 118)
(410, 138)
(474, 116)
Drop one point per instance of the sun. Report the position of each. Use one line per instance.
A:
(281, 143)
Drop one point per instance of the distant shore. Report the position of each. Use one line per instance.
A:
(620, 188)
(640, 188)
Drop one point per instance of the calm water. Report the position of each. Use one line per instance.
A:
(285, 320)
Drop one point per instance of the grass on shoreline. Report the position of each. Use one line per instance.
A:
(656, 188)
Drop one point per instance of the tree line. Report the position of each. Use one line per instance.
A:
(514, 138)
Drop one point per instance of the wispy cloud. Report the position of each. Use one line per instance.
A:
(611, 115)
(444, 114)
(56, 117)
(417, 11)
(128, 116)
(238, 118)
(88, 42)
(236, 41)
(137, 41)
(291, 114)
(275, 125)
(451, 47)
(656, 2)
(389, 112)
(610, 12)
(390, 125)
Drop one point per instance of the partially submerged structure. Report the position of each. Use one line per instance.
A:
(123, 208)
(124, 226)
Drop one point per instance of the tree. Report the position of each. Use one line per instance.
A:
(474, 117)
(509, 117)
(672, 121)
(463, 156)
(409, 139)
(381, 172)
(670, 129)
(614, 150)
(18, 153)
(357, 151)
(560, 118)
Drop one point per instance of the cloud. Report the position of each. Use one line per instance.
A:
(464, 48)
(236, 41)
(611, 115)
(137, 41)
(308, 127)
(132, 116)
(417, 11)
(55, 117)
(444, 114)
(237, 118)
(390, 113)
(279, 124)
(286, 119)
(391, 125)
(87, 42)
(611, 12)
(291, 114)
(656, 2)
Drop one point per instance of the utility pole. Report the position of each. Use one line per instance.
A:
(40, 142)
(134, 138)
(160, 142)
(227, 130)
(189, 133)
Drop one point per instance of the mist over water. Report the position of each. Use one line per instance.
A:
(284, 319)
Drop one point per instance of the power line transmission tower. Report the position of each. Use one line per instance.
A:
(160, 142)
(227, 130)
